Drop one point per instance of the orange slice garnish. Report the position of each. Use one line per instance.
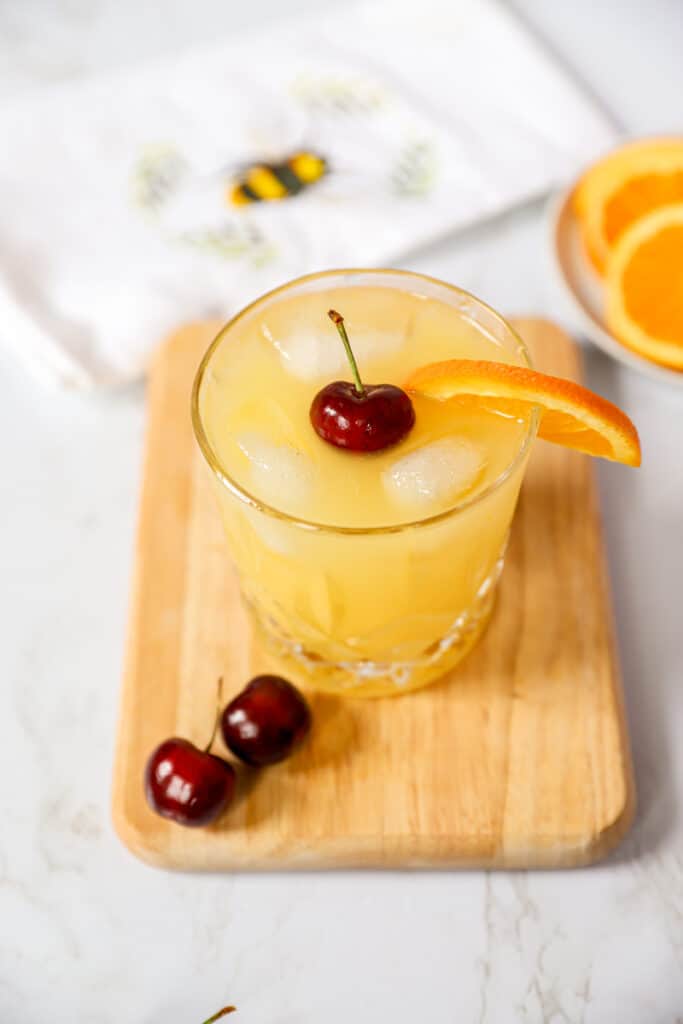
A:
(644, 287)
(628, 183)
(570, 415)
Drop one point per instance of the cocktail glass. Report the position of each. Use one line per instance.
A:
(357, 610)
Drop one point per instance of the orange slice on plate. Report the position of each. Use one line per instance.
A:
(570, 415)
(618, 190)
(644, 287)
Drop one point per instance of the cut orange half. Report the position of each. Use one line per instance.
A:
(644, 306)
(570, 415)
(628, 183)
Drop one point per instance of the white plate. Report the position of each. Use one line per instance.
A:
(584, 291)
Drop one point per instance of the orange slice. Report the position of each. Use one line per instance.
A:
(570, 415)
(644, 287)
(630, 182)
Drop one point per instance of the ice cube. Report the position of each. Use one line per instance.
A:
(311, 354)
(280, 474)
(276, 534)
(435, 474)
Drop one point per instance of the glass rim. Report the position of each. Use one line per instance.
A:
(242, 494)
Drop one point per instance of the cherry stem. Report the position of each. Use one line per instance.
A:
(221, 1013)
(207, 748)
(338, 321)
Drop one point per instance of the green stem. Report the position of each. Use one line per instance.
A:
(338, 321)
(207, 748)
(221, 1013)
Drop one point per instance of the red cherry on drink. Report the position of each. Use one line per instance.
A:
(361, 418)
(266, 722)
(186, 784)
(379, 417)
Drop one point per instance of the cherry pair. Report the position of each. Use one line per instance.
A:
(263, 724)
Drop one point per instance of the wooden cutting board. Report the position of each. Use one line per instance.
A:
(520, 759)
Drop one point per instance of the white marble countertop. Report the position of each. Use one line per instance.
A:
(87, 933)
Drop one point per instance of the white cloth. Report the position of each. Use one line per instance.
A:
(116, 223)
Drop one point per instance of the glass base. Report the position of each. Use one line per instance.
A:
(366, 678)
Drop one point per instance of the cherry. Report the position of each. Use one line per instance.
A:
(361, 418)
(188, 785)
(266, 721)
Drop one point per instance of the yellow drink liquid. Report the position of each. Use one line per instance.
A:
(367, 574)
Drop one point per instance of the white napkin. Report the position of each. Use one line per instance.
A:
(116, 218)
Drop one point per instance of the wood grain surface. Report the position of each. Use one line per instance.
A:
(519, 759)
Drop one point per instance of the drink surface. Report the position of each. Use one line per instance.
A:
(261, 380)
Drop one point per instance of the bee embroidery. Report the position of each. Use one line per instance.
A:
(265, 182)
(214, 201)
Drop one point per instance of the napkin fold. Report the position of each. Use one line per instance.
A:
(136, 200)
